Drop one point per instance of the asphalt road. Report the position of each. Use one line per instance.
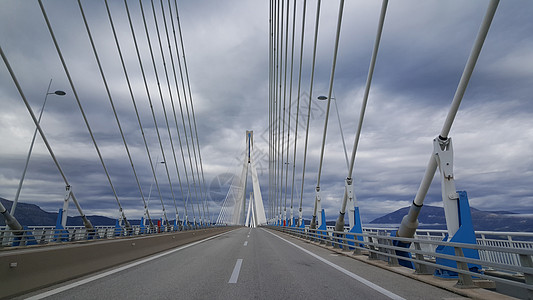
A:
(245, 264)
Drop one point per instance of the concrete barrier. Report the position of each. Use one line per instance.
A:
(27, 269)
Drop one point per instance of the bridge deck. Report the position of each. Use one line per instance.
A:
(271, 266)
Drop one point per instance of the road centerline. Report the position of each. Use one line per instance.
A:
(236, 270)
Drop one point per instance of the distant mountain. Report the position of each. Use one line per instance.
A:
(482, 220)
(31, 214)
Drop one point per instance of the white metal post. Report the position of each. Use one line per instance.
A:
(318, 210)
(14, 206)
(410, 221)
(351, 202)
(444, 157)
(65, 206)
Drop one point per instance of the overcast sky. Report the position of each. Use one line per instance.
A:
(424, 48)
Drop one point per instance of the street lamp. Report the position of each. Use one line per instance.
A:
(340, 127)
(58, 93)
(150, 194)
(152, 184)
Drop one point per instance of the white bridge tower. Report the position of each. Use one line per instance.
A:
(233, 210)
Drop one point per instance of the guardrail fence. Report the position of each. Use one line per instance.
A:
(44, 235)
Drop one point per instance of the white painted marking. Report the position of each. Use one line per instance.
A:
(248, 236)
(113, 271)
(346, 272)
(246, 243)
(235, 275)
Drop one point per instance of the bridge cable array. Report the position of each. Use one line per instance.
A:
(349, 181)
(10, 220)
(67, 73)
(304, 6)
(289, 115)
(277, 74)
(279, 44)
(200, 193)
(337, 36)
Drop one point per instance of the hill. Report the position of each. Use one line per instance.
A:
(31, 214)
(482, 220)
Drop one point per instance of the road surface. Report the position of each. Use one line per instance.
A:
(245, 264)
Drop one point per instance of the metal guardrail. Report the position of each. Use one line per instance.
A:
(45, 235)
(382, 246)
(515, 240)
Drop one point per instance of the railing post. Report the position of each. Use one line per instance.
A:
(526, 261)
(22, 238)
(393, 260)
(372, 255)
(334, 241)
(420, 268)
(357, 250)
(323, 238)
(2, 235)
(42, 238)
(345, 245)
(465, 280)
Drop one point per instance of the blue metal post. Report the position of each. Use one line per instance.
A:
(465, 234)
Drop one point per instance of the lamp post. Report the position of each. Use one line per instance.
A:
(340, 127)
(151, 186)
(58, 93)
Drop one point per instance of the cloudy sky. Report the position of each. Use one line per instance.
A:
(424, 48)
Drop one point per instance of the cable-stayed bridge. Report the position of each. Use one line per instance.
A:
(256, 241)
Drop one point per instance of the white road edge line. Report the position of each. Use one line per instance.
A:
(343, 270)
(113, 271)
(235, 274)
(246, 243)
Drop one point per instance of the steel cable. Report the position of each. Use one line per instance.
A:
(332, 76)
(298, 108)
(134, 105)
(112, 105)
(290, 106)
(71, 82)
(151, 106)
(86, 222)
(186, 103)
(164, 108)
(283, 111)
(309, 104)
(179, 99)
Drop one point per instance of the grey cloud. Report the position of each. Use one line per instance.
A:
(423, 52)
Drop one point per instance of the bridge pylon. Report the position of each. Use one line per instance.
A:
(234, 208)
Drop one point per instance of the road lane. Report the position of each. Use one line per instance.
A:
(268, 268)
(371, 285)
